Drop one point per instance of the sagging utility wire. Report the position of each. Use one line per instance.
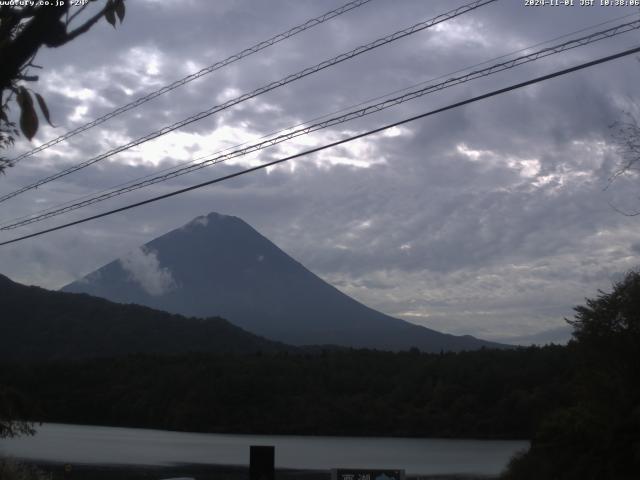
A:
(313, 22)
(388, 103)
(315, 119)
(267, 88)
(334, 144)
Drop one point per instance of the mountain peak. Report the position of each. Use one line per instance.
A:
(218, 265)
(212, 217)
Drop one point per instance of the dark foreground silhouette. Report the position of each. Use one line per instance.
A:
(483, 394)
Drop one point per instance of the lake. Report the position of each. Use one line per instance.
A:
(130, 446)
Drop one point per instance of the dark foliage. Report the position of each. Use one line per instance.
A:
(15, 410)
(483, 394)
(598, 435)
(24, 29)
(50, 341)
(38, 324)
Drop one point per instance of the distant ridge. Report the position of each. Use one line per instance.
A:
(218, 265)
(38, 324)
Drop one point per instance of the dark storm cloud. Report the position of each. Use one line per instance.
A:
(491, 219)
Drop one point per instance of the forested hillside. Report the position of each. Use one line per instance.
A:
(596, 436)
(39, 324)
(579, 404)
(475, 394)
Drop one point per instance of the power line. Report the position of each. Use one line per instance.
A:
(412, 95)
(344, 109)
(114, 188)
(89, 200)
(271, 86)
(333, 144)
(194, 76)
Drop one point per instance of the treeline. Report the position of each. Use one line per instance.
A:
(579, 404)
(596, 436)
(38, 324)
(482, 394)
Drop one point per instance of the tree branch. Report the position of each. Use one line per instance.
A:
(11, 19)
(87, 25)
(28, 78)
(42, 28)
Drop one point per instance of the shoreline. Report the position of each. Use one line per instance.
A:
(197, 472)
(490, 438)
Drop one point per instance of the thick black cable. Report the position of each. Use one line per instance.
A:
(259, 91)
(334, 144)
(10, 223)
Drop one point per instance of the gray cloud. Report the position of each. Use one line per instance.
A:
(491, 219)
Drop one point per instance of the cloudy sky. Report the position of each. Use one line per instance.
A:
(493, 219)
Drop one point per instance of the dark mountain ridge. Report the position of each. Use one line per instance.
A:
(38, 324)
(219, 265)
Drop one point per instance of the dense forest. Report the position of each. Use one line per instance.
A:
(597, 436)
(39, 324)
(579, 404)
(489, 393)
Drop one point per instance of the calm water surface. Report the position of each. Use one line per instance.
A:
(107, 445)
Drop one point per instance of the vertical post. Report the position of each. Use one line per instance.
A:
(261, 462)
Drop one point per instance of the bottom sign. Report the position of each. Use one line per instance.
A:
(366, 474)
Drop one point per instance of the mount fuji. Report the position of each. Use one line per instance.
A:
(218, 265)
